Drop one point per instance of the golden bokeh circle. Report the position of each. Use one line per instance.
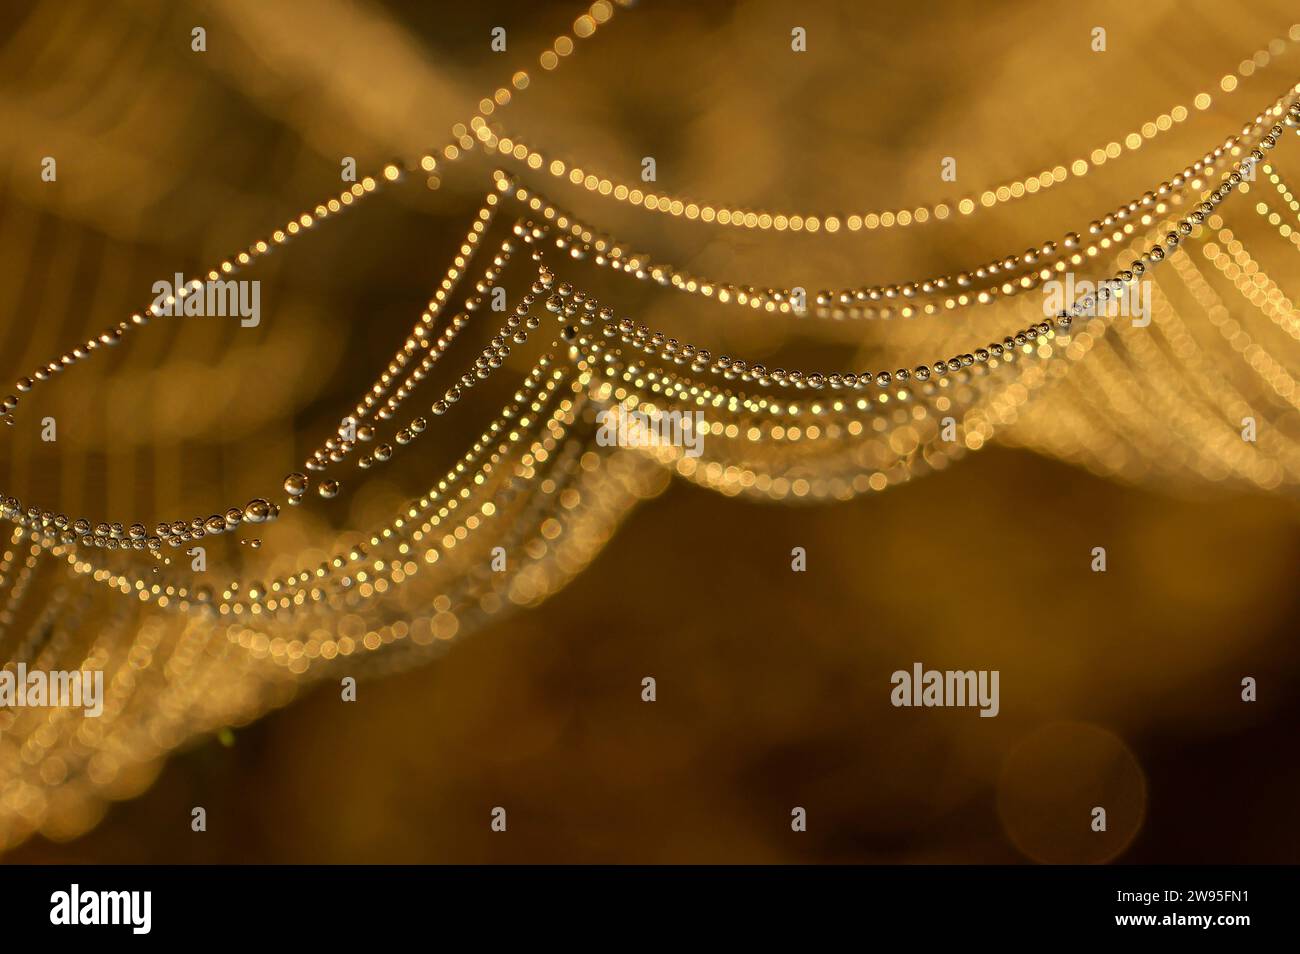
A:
(1052, 780)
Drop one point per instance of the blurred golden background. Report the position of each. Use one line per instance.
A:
(1120, 689)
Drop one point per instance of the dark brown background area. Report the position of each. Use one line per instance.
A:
(1120, 689)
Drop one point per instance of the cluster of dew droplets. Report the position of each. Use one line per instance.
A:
(297, 484)
(114, 536)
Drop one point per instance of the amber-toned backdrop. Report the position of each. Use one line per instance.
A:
(773, 687)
